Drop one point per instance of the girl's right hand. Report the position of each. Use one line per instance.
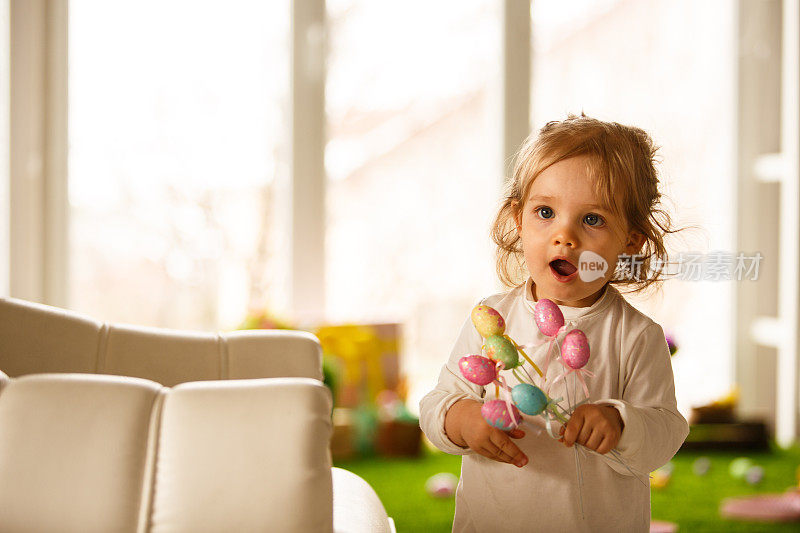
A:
(466, 427)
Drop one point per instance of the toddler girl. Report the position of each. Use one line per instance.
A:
(588, 187)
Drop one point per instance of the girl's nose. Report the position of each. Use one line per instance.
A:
(564, 237)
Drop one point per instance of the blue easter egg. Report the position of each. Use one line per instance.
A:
(529, 398)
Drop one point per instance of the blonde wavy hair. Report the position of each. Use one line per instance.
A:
(622, 159)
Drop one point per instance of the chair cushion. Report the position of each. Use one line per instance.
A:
(66, 439)
(166, 356)
(38, 338)
(264, 445)
(291, 354)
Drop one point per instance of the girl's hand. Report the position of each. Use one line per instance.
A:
(466, 427)
(598, 427)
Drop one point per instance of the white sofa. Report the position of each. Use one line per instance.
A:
(84, 452)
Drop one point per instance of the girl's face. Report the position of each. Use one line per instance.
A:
(562, 218)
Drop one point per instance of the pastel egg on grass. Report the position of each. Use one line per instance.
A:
(754, 475)
(739, 467)
(501, 349)
(496, 414)
(478, 369)
(529, 398)
(548, 317)
(660, 477)
(488, 321)
(575, 349)
(701, 466)
(441, 485)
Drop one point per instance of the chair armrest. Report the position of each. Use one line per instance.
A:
(356, 507)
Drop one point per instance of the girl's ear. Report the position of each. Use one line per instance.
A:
(634, 243)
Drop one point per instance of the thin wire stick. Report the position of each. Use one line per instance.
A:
(575, 385)
(576, 405)
(529, 376)
(560, 417)
(538, 371)
(638, 475)
(569, 401)
(580, 481)
(616, 457)
(578, 470)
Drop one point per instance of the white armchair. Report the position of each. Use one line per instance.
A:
(82, 452)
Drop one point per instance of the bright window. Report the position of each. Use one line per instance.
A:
(177, 132)
(414, 168)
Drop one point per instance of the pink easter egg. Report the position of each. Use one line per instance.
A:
(575, 349)
(488, 321)
(478, 369)
(548, 317)
(496, 414)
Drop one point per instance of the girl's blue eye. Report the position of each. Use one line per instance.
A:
(594, 220)
(544, 212)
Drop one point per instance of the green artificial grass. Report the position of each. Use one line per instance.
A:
(689, 500)
(693, 501)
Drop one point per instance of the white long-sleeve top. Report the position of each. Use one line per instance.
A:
(632, 371)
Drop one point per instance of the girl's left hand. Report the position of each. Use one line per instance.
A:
(598, 427)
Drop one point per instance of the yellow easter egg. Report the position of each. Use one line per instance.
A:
(488, 321)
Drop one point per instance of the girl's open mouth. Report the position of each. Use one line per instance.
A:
(563, 270)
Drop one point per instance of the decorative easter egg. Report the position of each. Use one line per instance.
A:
(548, 317)
(701, 466)
(441, 485)
(529, 398)
(754, 475)
(488, 321)
(660, 478)
(575, 349)
(496, 414)
(501, 349)
(739, 467)
(478, 369)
